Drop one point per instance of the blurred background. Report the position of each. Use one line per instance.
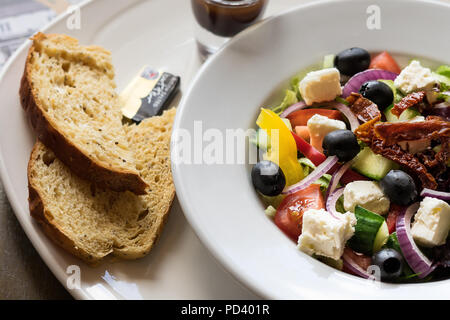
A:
(21, 18)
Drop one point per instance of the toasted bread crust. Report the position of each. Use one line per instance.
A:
(66, 151)
(37, 211)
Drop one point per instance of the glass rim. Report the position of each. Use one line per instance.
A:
(236, 3)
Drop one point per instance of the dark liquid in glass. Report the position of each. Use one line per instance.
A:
(227, 18)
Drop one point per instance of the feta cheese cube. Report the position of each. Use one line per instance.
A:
(320, 86)
(324, 235)
(431, 222)
(414, 78)
(319, 126)
(366, 194)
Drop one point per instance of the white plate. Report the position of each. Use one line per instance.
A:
(155, 32)
(219, 200)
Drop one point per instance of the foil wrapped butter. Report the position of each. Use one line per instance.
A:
(148, 94)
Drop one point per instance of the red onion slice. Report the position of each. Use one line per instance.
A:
(337, 177)
(435, 194)
(313, 176)
(355, 82)
(415, 258)
(295, 107)
(331, 202)
(351, 265)
(345, 110)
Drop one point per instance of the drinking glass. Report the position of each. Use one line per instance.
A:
(219, 20)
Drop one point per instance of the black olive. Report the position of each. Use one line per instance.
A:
(268, 178)
(390, 263)
(351, 61)
(377, 92)
(341, 143)
(399, 187)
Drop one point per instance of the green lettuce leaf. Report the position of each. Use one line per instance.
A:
(295, 82)
(289, 99)
(444, 81)
(444, 70)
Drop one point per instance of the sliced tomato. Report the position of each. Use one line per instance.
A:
(301, 117)
(361, 260)
(289, 216)
(391, 219)
(385, 61)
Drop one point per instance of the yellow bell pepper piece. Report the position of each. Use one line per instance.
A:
(283, 150)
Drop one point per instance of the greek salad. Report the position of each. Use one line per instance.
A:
(354, 166)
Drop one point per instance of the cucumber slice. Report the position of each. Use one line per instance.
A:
(367, 226)
(408, 114)
(381, 238)
(373, 165)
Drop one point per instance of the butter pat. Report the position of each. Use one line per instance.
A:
(148, 94)
(320, 86)
(366, 194)
(415, 78)
(431, 223)
(324, 235)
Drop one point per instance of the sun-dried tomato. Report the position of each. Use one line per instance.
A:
(366, 133)
(409, 101)
(397, 154)
(364, 109)
(394, 132)
(444, 154)
(428, 158)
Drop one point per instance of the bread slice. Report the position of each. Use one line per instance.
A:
(67, 91)
(92, 223)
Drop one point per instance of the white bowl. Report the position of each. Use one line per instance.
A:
(219, 200)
